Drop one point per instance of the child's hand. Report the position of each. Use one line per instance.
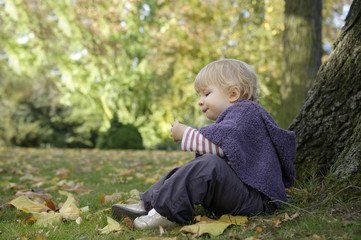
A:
(177, 130)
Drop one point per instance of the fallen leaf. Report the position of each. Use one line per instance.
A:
(161, 230)
(31, 219)
(206, 225)
(110, 198)
(25, 204)
(236, 220)
(84, 209)
(79, 220)
(110, 227)
(40, 237)
(15, 171)
(10, 185)
(38, 197)
(213, 227)
(63, 173)
(125, 172)
(50, 204)
(44, 219)
(79, 188)
(293, 216)
(70, 209)
(128, 222)
(315, 236)
(233, 236)
(277, 222)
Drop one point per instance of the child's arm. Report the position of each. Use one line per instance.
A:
(193, 141)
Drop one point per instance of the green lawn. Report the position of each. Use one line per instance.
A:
(99, 179)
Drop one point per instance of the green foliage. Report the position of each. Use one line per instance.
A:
(136, 59)
(120, 136)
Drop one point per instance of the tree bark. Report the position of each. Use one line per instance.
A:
(328, 126)
(302, 55)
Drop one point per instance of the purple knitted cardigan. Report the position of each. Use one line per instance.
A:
(258, 150)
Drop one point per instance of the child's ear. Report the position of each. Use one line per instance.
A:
(234, 94)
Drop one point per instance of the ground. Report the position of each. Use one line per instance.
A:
(97, 179)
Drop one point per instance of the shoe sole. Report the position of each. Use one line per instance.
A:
(120, 212)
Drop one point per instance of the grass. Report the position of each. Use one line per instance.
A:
(311, 213)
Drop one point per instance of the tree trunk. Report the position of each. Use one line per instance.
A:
(302, 55)
(328, 126)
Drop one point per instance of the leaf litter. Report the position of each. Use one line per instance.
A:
(42, 209)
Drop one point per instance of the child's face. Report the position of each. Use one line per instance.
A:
(213, 101)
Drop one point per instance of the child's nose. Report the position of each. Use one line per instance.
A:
(200, 102)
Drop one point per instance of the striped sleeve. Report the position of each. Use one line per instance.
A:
(194, 141)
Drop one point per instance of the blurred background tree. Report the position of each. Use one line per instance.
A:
(67, 68)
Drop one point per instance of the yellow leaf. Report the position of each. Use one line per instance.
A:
(70, 209)
(47, 218)
(25, 204)
(64, 193)
(236, 220)
(112, 226)
(214, 228)
(79, 220)
(84, 209)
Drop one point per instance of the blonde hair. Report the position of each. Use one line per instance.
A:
(227, 73)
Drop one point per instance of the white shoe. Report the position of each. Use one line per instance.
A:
(152, 221)
(131, 210)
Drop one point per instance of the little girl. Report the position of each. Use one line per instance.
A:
(243, 163)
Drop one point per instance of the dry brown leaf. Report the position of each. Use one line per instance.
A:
(31, 219)
(110, 198)
(315, 236)
(125, 173)
(79, 188)
(15, 171)
(10, 185)
(50, 204)
(277, 222)
(40, 237)
(128, 222)
(288, 218)
(39, 197)
(63, 173)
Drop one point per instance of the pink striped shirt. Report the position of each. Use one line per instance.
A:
(193, 141)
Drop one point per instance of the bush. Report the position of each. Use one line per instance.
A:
(35, 118)
(120, 136)
(168, 145)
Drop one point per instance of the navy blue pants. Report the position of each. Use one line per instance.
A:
(206, 180)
